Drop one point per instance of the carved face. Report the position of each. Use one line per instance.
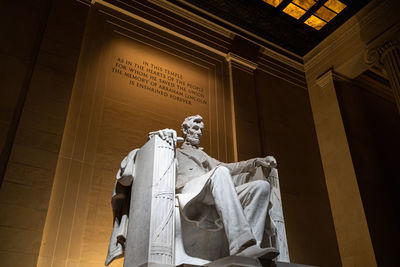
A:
(194, 133)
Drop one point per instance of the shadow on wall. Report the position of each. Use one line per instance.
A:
(372, 126)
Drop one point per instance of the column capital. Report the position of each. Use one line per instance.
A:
(325, 79)
(329, 77)
(388, 56)
(387, 47)
(375, 56)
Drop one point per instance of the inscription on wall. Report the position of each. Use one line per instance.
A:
(159, 80)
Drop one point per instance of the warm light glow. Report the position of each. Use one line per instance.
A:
(335, 5)
(294, 11)
(274, 3)
(306, 4)
(325, 14)
(297, 8)
(315, 22)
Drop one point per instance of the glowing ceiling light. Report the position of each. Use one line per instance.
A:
(315, 22)
(325, 14)
(306, 4)
(294, 11)
(274, 3)
(297, 8)
(335, 5)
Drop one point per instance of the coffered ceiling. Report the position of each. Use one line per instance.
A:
(296, 25)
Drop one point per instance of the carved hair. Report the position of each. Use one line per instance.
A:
(189, 121)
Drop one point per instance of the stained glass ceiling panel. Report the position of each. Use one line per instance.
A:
(314, 13)
(315, 22)
(305, 4)
(294, 11)
(325, 14)
(335, 5)
(274, 3)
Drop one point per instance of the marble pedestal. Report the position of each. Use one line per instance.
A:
(235, 261)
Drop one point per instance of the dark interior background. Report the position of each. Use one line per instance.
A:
(372, 125)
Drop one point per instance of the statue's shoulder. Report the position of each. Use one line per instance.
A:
(184, 148)
(182, 152)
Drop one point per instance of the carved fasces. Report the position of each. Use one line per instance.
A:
(151, 229)
(162, 225)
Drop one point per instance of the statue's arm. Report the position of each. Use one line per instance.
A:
(122, 187)
(247, 166)
(126, 171)
(120, 205)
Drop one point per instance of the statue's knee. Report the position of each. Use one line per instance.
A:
(262, 187)
(222, 176)
(223, 171)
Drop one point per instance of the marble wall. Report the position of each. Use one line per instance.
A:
(56, 192)
(129, 81)
(37, 70)
(289, 133)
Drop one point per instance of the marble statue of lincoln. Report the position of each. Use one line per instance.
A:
(214, 195)
(209, 195)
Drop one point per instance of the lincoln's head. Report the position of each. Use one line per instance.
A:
(192, 129)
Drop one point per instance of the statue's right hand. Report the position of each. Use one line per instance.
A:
(166, 134)
(169, 135)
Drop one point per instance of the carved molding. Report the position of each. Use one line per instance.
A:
(193, 17)
(157, 26)
(233, 58)
(279, 57)
(283, 71)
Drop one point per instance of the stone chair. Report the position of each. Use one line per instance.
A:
(153, 232)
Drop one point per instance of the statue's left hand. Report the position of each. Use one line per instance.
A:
(267, 162)
(271, 160)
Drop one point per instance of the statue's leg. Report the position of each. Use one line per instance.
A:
(254, 197)
(237, 229)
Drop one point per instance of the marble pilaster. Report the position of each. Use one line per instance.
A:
(244, 116)
(341, 181)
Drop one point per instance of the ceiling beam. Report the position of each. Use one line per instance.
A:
(312, 10)
(283, 4)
